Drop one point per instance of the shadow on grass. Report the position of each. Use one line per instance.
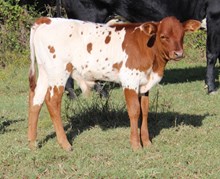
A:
(5, 123)
(166, 120)
(184, 75)
(110, 119)
(172, 76)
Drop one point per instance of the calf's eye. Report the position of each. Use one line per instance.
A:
(163, 37)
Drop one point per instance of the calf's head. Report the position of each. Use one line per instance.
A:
(168, 36)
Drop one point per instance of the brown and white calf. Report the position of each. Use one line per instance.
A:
(133, 55)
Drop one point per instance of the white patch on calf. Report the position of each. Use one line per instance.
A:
(130, 78)
(138, 81)
(154, 78)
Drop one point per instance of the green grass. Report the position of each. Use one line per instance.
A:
(183, 122)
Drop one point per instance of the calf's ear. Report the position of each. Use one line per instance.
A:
(191, 25)
(150, 28)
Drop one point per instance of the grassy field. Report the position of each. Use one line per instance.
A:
(184, 127)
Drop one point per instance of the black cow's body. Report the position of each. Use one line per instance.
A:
(155, 10)
(135, 11)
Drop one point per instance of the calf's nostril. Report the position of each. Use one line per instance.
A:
(178, 53)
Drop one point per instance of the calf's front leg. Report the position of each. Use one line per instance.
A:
(133, 107)
(144, 124)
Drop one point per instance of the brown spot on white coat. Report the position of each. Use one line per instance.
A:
(69, 67)
(51, 49)
(89, 47)
(108, 38)
(117, 66)
(43, 20)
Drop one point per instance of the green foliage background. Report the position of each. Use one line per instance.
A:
(15, 22)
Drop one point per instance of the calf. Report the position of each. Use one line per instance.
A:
(133, 55)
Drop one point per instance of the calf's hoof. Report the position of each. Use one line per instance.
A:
(147, 143)
(32, 145)
(136, 146)
(66, 146)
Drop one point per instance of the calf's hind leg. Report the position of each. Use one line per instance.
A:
(53, 101)
(37, 94)
(33, 115)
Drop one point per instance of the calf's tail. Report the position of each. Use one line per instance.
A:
(32, 74)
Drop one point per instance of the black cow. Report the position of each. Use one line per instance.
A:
(213, 42)
(155, 10)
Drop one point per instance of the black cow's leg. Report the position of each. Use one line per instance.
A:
(210, 72)
(69, 88)
(99, 87)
